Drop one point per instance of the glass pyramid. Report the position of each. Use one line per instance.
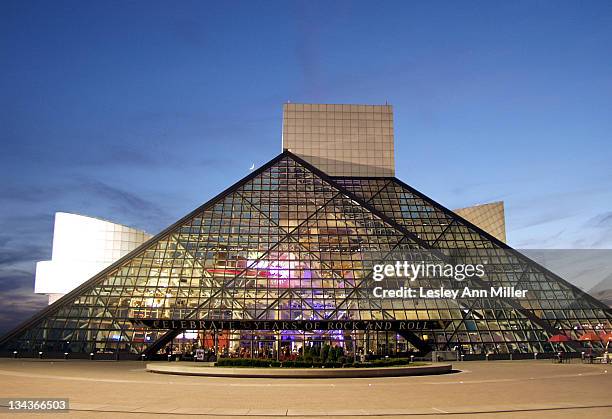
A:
(289, 243)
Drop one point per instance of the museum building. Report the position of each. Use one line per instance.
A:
(283, 259)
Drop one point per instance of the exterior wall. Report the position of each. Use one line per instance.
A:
(82, 247)
(341, 140)
(489, 217)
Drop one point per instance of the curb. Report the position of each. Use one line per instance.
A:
(299, 372)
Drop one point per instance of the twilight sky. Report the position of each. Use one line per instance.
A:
(138, 112)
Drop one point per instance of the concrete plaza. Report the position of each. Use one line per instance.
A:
(499, 389)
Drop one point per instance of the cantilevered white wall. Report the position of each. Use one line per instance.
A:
(82, 247)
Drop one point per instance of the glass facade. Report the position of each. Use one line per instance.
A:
(489, 217)
(551, 305)
(290, 243)
(341, 140)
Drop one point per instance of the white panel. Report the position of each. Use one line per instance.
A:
(82, 247)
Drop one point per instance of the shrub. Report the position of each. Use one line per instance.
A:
(308, 353)
(325, 352)
(310, 363)
(296, 364)
(330, 364)
(315, 351)
(243, 362)
(332, 355)
(336, 353)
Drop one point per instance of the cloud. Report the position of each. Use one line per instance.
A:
(540, 242)
(20, 225)
(540, 219)
(601, 220)
(17, 307)
(28, 193)
(23, 235)
(21, 247)
(139, 157)
(17, 299)
(599, 230)
(122, 156)
(14, 279)
(128, 201)
(125, 206)
(20, 254)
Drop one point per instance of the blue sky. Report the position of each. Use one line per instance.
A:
(138, 112)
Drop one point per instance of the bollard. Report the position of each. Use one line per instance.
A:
(487, 356)
(40, 354)
(462, 357)
(510, 356)
(411, 358)
(535, 355)
(15, 354)
(91, 356)
(143, 356)
(65, 355)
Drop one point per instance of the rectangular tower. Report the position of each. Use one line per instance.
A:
(341, 140)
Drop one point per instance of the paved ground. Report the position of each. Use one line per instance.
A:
(500, 389)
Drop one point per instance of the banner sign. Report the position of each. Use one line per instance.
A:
(305, 325)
